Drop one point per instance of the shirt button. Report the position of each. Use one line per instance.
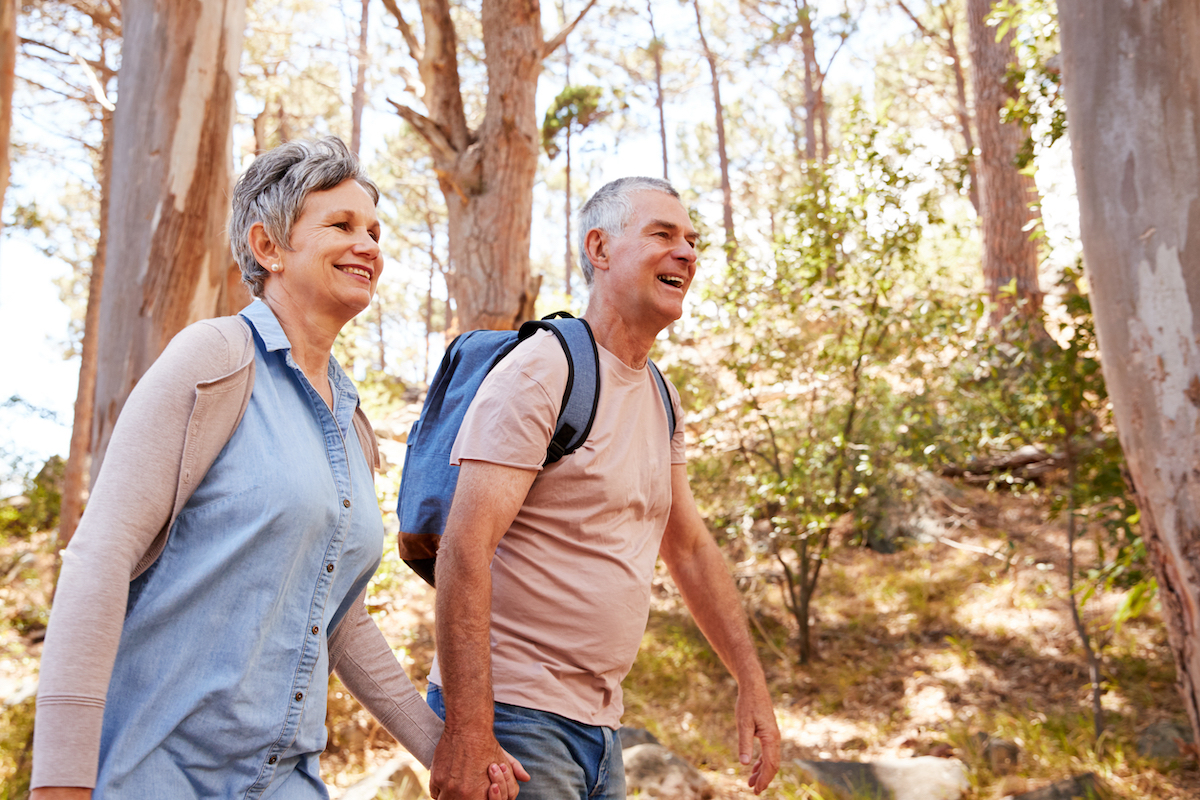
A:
(346, 503)
(272, 759)
(315, 630)
(299, 696)
(329, 567)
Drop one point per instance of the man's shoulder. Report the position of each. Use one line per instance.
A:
(541, 359)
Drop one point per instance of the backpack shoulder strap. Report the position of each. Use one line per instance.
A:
(582, 392)
(663, 392)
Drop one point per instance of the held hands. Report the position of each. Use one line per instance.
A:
(467, 766)
(756, 720)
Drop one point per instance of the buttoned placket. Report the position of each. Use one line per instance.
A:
(334, 423)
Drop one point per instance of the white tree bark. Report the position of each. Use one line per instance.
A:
(1132, 85)
(168, 259)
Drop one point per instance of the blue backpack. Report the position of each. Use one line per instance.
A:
(427, 486)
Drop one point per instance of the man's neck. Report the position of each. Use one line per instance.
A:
(629, 342)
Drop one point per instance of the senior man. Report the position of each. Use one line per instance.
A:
(544, 573)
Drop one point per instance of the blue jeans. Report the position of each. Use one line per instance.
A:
(565, 759)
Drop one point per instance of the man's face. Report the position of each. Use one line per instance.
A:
(652, 263)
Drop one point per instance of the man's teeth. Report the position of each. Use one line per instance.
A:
(672, 280)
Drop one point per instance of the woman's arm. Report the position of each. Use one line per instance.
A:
(366, 665)
(130, 505)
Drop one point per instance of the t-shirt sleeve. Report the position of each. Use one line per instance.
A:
(678, 452)
(512, 418)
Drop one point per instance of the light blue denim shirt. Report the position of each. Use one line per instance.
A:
(220, 681)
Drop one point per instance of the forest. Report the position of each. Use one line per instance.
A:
(940, 366)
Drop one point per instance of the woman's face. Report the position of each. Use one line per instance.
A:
(335, 261)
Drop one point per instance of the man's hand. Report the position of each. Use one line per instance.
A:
(469, 766)
(756, 720)
(61, 793)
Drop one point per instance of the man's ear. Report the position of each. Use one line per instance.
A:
(596, 246)
(266, 252)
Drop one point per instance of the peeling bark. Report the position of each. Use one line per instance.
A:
(1132, 85)
(168, 259)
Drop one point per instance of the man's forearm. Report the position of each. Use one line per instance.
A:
(464, 604)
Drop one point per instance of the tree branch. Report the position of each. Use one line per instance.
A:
(920, 25)
(553, 44)
(428, 130)
(410, 38)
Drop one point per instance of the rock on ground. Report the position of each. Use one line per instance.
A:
(1162, 740)
(922, 778)
(657, 772)
(1081, 787)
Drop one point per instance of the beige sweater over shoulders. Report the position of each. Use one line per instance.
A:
(171, 430)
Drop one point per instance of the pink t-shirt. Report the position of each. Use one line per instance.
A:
(571, 578)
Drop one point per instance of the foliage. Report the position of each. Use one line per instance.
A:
(1031, 392)
(1036, 75)
(819, 358)
(40, 488)
(1018, 391)
(575, 108)
(16, 749)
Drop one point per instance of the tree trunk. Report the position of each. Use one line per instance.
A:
(485, 175)
(961, 109)
(722, 153)
(808, 47)
(656, 50)
(358, 99)
(8, 64)
(168, 259)
(1005, 195)
(75, 477)
(1132, 85)
(567, 259)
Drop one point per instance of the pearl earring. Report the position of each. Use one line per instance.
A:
(274, 268)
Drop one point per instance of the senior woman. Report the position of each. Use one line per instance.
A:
(220, 570)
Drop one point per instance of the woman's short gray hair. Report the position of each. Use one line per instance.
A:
(273, 191)
(610, 208)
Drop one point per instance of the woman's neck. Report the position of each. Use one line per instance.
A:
(311, 340)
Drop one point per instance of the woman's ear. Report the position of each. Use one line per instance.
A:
(596, 246)
(266, 252)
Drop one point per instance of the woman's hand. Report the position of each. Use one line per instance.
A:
(503, 786)
(61, 793)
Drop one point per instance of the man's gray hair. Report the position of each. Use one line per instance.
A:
(610, 208)
(274, 189)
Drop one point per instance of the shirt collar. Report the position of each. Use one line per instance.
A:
(262, 320)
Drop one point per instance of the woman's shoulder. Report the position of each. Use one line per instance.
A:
(208, 350)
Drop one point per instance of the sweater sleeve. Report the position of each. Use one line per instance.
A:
(130, 505)
(369, 669)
